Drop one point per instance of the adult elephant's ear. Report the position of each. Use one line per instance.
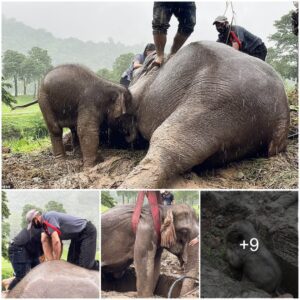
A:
(168, 234)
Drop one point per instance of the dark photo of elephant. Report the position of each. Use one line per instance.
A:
(259, 267)
(72, 96)
(121, 247)
(206, 106)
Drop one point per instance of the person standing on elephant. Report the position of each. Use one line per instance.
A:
(136, 63)
(59, 226)
(24, 252)
(239, 38)
(185, 12)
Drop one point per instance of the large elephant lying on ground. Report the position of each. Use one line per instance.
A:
(208, 104)
(120, 246)
(72, 96)
(57, 279)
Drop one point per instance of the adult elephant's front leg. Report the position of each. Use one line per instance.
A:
(175, 147)
(146, 263)
(88, 125)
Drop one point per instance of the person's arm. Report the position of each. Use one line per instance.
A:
(235, 46)
(56, 245)
(47, 247)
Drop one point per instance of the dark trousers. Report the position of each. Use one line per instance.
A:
(21, 262)
(124, 81)
(82, 249)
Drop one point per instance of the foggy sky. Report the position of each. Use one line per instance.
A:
(130, 22)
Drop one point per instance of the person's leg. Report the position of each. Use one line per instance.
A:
(186, 16)
(20, 270)
(87, 252)
(160, 24)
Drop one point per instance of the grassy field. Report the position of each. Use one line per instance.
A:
(24, 130)
(7, 270)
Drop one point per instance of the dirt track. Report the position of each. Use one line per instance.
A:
(41, 170)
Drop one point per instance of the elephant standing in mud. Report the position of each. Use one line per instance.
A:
(120, 246)
(207, 105)
(72, 96)
(57, 279)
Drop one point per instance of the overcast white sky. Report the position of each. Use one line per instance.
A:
(130, 22)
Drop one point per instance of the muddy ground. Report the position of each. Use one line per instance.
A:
(170, 269)
(41, 171)
(275, 216)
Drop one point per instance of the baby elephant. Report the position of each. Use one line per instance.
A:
(72, 96)
(259, 266)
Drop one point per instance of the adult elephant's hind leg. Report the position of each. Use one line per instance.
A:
(55, 131)
(175, 147)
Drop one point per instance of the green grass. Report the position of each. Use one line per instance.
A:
(24, 130)
(7, 270)
(104, 208)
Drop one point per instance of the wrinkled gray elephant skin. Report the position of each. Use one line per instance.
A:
(57, 279)
(74, 97)
(259, 267)
(120, 246)
(208, 104)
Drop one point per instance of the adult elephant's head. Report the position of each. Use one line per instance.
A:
(180, 226)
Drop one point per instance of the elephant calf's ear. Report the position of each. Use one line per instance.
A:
(168, 234)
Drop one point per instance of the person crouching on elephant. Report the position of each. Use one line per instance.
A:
(136, 63)
(185, 12)
(59, 226)
(239, 38)
(24, 252)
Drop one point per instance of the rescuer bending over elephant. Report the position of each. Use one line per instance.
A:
(207, 105)
(59, 226)
(259, 267)
(121, 246)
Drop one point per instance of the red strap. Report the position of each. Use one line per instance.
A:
(153, 201)
(236, 39)
(51, 226)
(137, 211)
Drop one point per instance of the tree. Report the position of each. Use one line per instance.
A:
(284, 55)
(7, 97)
(107, 200)
(119, 66)
(28, 71)
(25, 210)
(105, 73)
(40, 61)
(5, 225)
(12, 62)
(55, 206)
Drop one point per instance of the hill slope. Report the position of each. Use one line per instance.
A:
(20, 37)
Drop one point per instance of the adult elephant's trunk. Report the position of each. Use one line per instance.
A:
(191, 268)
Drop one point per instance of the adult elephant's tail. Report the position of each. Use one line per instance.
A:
(25, 105)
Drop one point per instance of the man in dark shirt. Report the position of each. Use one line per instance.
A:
(239, 38)
(168, 198)
(185, 12)
(137, 62)
(59, 226)
(24, 252)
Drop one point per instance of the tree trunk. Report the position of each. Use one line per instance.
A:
(34, 90)
(16, 85)
(24, 86)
